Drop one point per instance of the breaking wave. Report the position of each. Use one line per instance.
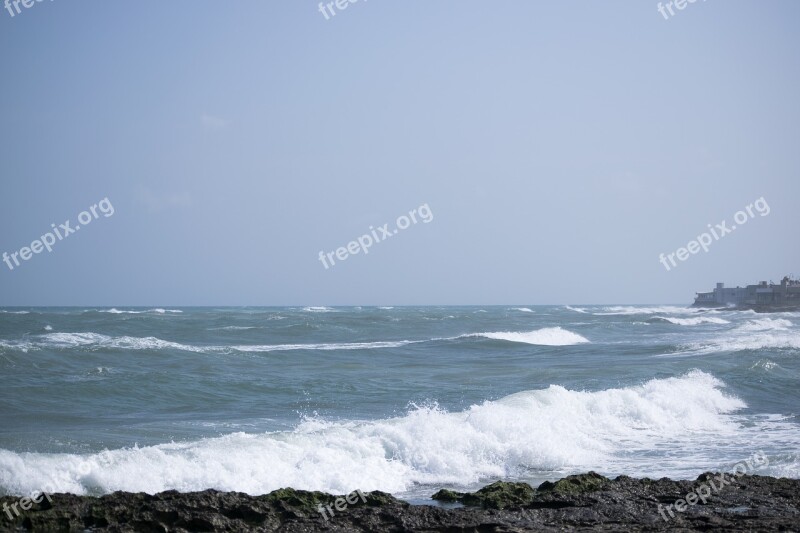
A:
(691, 321)
(758, 334)
(97, 340)
(766, 324)
(159, 311)
(323, 346)
(544, 337)
(634, 310)
(552, 429)
(762, 341)
(89, 340)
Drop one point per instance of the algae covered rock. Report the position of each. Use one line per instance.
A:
(577, 484)
(304, 501)
(498, 495)
(448, 496)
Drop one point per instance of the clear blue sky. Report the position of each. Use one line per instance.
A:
(561, 146)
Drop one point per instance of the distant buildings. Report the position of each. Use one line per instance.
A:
(762, 297)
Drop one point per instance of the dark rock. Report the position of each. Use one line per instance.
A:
(582, 503)
(448, 496)
(498, 495)
(575, 484)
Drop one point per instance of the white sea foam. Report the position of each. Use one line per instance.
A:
(318, 309)
(70, 340)
(151, 343)
(323, 346)
(19, 346)
(544, 337)
(764, 364)
(90, 340)
(115, 311)
(693, 321)
(576, 309)
(755, 341)
(766, 324)
(522, 309)
(634, 310)
(549, 429)
(758, 334)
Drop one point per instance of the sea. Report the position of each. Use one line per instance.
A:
(406, 400)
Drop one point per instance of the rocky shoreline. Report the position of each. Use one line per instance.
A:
(582, 502)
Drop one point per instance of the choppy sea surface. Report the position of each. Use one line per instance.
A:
(406, 400)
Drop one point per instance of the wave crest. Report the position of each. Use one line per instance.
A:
(766, 324)
(90, 340)
(544, 337)
(635, 310)
(159, 311)
(547, 429)
(691, 321)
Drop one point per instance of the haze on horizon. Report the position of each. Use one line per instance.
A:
(560, 148)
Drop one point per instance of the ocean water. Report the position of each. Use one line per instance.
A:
(406, 400)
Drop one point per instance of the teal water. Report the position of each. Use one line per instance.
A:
(405, 400)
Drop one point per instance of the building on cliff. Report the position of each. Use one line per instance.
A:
(762, 297)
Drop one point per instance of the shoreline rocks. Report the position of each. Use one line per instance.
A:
(581, 502)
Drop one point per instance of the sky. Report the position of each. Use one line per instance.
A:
(558, 147)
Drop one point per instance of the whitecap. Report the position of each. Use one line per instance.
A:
(635, 310)
(695, 321)
(552, 429)
(544, 337)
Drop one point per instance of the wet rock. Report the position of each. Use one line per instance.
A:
(582, 503)
(575, 484)
(498, 495)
